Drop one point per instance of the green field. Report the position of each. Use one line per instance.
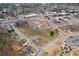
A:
(30, 32)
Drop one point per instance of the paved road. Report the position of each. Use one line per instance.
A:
(22, 35)
(50, 42)
(25, 37)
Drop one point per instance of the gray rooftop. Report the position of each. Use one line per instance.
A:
(74, 40)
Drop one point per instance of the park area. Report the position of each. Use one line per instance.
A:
(43, 35)
(38, 36)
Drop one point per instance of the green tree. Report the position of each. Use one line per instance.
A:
(51, 33)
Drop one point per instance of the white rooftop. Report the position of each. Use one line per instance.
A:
(30, 15)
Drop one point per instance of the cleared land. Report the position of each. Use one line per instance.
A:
(52, 50)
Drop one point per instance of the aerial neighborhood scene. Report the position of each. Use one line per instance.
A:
(39, 29)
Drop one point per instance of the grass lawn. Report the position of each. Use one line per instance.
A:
(29, 32)
(45, 37)
(44, 34)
